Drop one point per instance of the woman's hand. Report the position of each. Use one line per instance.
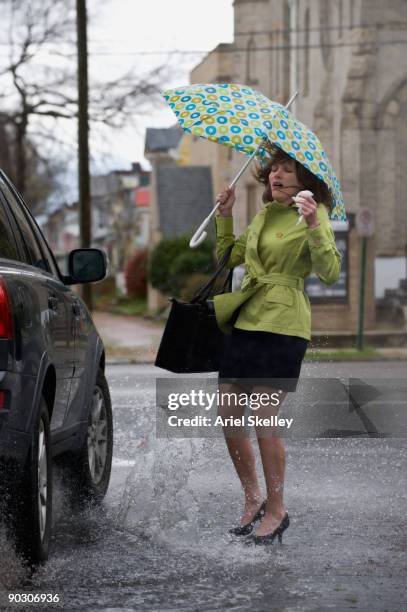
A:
(227, 199)
(307, 208)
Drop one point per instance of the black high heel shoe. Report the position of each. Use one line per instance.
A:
(265, 540)
(243, 530)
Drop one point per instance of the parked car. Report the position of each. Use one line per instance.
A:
(54, 398)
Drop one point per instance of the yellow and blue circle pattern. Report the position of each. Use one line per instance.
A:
(242, 118)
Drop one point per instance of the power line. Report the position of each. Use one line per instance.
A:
(230, 48)
(348, 27)
(252, 50)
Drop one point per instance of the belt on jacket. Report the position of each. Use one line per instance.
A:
(275, 278)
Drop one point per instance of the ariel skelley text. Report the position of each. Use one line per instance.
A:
(203, 421)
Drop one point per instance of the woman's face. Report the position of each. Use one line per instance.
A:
(283, 181)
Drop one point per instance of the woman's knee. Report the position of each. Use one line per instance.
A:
(229, 405)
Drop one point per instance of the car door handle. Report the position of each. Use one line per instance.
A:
(53, 303)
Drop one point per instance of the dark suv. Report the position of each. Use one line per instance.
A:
(54, 399)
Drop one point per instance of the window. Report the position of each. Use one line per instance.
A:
(33, 254)
(340, 18)
(306, 53)
(251, 62)
(338, 292)
(8, 247)
(286, 50)
(325, 25)
(46, 251)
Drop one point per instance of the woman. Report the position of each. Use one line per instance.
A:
(270, 320)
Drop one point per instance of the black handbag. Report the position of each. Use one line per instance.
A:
(192, 341)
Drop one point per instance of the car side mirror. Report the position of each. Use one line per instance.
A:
(86, 266)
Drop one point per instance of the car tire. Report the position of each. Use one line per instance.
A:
(31, 498)
(87, 472)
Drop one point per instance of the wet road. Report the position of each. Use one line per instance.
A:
(160, 542)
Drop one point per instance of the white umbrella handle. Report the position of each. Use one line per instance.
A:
(200, 234)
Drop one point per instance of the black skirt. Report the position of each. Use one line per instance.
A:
(264, 358)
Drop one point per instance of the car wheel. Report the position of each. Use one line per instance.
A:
(31, 499)
(89, 470)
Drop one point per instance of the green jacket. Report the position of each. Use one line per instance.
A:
(278, 255)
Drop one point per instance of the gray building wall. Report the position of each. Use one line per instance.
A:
(352, 82)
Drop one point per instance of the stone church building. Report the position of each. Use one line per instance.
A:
(347, 60)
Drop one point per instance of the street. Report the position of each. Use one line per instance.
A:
(160, 540)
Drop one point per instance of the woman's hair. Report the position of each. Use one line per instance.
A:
(305, 177)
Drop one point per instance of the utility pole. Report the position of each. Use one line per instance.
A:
(85, 218)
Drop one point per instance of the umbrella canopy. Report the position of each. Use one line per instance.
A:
(242, 118)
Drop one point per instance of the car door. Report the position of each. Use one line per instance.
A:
(85, 343)
(53, 299)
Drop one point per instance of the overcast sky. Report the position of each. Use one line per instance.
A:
(123, 28)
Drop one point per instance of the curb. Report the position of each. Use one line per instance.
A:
(126, 361)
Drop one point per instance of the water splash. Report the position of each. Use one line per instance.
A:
(12, 569)
(157, 497)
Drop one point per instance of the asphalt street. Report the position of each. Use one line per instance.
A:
(160, 540)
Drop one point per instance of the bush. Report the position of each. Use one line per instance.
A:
(161, 258)
(135, 274)
(192, 285)
(172, 261)
(191, 263)
(186, 265)
(106, 288)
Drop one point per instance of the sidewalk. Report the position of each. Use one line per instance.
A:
(129, 339)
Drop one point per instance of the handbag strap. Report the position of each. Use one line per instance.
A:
(205, 291)
(227, 285)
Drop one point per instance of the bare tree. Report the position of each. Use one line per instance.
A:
(5, 149)
(38, 77)
(42, 174)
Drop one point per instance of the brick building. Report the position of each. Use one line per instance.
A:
(346, 59)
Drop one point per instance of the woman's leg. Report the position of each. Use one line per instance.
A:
(272, 452)
(241, 452)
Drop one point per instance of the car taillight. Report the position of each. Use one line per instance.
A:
(2, 399)
(6, 319)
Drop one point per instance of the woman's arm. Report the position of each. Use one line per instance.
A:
(224, 230)
(325, 257)
(225, 237)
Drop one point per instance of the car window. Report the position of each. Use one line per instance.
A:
(46, 251)
(34, 255)
(8, 247)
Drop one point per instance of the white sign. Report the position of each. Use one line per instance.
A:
(364, 222)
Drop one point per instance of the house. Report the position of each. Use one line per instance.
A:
(120, 224)
(181, 194)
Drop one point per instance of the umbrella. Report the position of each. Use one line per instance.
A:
(242, 118)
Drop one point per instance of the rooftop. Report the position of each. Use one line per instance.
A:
(162, 139)
(184, 196)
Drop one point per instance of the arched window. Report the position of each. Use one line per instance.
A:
(251, 62)
(325, 23)
(354, 9)
(307, 56)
